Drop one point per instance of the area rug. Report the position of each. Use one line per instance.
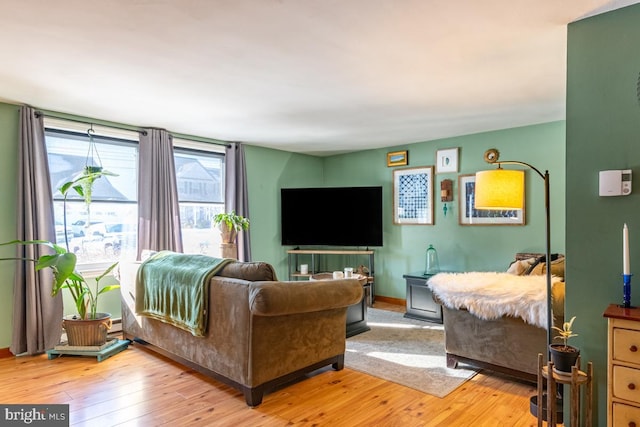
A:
(405, 351)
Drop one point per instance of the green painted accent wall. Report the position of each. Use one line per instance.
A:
(267, 172)
(9, 117)
(603, 127)
(461, 248)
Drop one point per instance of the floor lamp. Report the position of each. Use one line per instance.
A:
(504, 190)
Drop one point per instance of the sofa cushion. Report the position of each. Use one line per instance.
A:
(281, 298)
(251, 271)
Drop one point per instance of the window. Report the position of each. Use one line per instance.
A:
(107, 229)
(200, 177)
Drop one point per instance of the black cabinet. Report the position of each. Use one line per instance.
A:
(420, 303)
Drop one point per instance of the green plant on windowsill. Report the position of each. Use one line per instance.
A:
(229, 225)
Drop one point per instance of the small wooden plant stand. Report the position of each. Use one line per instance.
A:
(112, 347)
(575, 379)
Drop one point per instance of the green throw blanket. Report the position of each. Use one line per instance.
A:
(174, 288)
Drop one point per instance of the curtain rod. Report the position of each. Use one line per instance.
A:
(189, 138)
(142, 131)
(86, 122)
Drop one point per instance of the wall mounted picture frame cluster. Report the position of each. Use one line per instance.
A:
(468, 215)
(397, 158)
(413, 196)
(447, 160)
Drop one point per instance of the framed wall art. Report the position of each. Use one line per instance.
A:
(397, 158)
(447, 160)
(471, 216)
(413, 195)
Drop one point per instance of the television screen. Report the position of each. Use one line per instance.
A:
(334, 216)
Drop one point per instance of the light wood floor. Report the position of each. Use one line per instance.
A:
(139, 388)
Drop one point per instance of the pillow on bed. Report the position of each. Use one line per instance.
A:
(557, 268)
(521, 267)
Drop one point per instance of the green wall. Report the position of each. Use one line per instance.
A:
(603, 127)
(9, 116)
(267, 172)
(461, 248)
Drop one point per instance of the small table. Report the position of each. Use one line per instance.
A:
(420, 303)
(356, 313)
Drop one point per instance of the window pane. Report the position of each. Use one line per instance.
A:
(200, 177)
(106, 230)
(69, 153)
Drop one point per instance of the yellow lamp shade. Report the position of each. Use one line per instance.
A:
(499, 189)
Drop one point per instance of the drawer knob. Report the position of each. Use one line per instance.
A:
(632, 424)
(631, 386)
(633, 348)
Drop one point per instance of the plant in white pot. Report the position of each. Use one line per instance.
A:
(229, 224)
(564, 356)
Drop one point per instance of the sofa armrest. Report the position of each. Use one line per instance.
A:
(279, 298)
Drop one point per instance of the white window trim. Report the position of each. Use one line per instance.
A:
(66, 125)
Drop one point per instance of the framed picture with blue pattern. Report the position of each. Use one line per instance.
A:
(413, 196)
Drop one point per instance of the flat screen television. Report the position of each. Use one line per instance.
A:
(331, 216)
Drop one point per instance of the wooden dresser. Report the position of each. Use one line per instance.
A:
(623, 371)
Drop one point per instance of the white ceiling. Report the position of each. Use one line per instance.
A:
(312, 76)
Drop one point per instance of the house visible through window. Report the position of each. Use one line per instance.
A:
(200, 177)
(107, 231)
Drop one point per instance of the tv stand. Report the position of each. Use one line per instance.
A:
(314, 256)
(357, 313)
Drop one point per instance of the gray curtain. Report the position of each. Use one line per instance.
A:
(235, 193)
(158, 209)
(37, 316)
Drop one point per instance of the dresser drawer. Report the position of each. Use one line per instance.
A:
(625, 415)
(626, 383)
(626, 345)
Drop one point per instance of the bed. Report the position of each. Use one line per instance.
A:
(497, 320)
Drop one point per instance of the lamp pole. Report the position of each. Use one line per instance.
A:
(492, 156)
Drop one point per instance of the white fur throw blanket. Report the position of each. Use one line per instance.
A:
(490, 295)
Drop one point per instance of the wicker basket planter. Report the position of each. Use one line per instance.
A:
(87, 332)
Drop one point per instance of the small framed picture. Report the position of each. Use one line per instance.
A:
(413, 196)
(469, 215)
(447, 160)
(397, 158)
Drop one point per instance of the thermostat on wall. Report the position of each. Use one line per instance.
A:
(615, 182)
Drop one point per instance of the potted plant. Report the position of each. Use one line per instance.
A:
(87, 327)
(85, 297)
(229, 224)
(564, 356)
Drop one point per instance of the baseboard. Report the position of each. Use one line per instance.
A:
(4, 353)
(390, 300)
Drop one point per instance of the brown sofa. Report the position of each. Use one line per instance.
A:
(261, 332)
(507, 345)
